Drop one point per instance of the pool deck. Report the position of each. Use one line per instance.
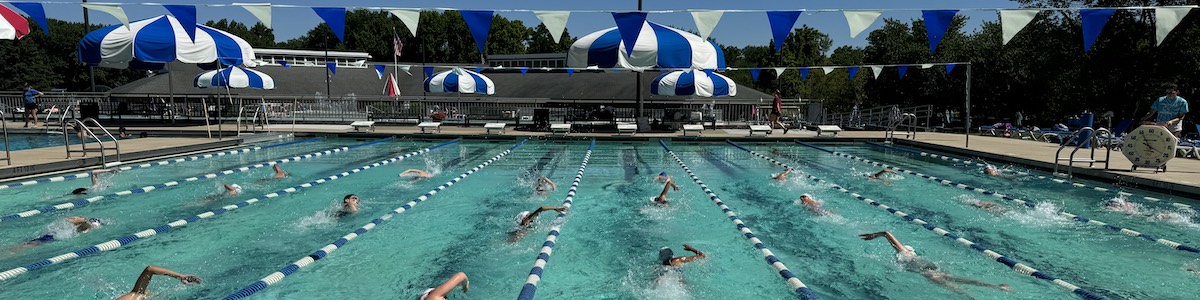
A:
(53, 159)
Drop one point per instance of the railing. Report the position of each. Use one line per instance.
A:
(4, 126)
(85, 133)
(1091, 140)
(881, 117)
(911, 131)
(62, 116)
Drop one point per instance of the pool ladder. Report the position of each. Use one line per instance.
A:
(4, 126)
(910, 132)
(84, 129)
(62, 116)
(1091, 141)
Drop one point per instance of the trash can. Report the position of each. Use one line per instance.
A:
(89, 110)
(1085, 120)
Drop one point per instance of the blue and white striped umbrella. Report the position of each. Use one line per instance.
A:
(235, 77)
(693, 82)
(458, 80)
(150, 43)
(657, 46)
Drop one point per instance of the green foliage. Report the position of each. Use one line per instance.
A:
(50, 62)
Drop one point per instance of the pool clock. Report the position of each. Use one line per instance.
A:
(1149, 146)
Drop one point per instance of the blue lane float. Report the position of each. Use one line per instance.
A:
(1009, 262)
(126, 240)
(324, 251)
(1058, 180)
(153, 164)
(803, 291)
(1027, 203)
(539, 265)
(145, 189)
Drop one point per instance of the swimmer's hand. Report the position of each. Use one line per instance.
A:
(466, 285)
(189, 279)
(689, 247)
(870, 236)
(1005, 287)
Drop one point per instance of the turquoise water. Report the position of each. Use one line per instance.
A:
(608, 247)
(18, 141)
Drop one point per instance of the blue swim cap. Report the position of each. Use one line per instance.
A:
(662, 174)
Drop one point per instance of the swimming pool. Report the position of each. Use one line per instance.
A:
(609, 241)
(21, 141)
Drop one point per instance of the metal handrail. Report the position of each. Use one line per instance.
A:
(83, 125)
(4, 125)
(911, 132)
(62, 116)
(1092, 141)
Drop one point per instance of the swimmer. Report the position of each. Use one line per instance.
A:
(139, 289)
(661, 200)
(439, 292)
(279, 173)
(524, 221)
(349, 206)
(122, 134)
(233, 189)
(417, 174)
(662, 177)
(879, 176)
(95, 181)
(908, 259)
(1121, 206)
(989, 206)
(991, 170)
(82, 225)
(666, 256)
(814, 206)
(1171, 217)
(542, 184)
(782, 176)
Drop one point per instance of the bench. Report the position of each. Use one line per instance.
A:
(626, 129)
(827, 129)
(359, 125)
(697, 128)
(495, 126)
(433, 126)
(560, 129)
(764, 129)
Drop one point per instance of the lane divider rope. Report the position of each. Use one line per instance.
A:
(278, 276)
(539, 265)
(147, 165)
(126, 240)
(146, 189)
(801, 290)
(1073, 217)
(1009, 262)
(1058, 180)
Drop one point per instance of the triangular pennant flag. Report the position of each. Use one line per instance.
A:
(332, 67)
(555, 21)
(428, 72)
(1165, 20)
(859, 20)
(779, 72)
(754, 73)
(1093, 23)
(803, 73)
(110, 8)
(186, 14)
(926, 66)
(406, 69)
(392, 89)
(827, 70)
(902, 70)
(284, 63)
(262, 11)
(629, 25)
(524, 71)
(876, 70)
(706, 20)
(35, 11)
(335, 17)
(480, 22)
(781, 25)
(936, 24)
(853, 71)
(477, 69)
(949, 68)
(410, 16)
(1013, 20)
(379, 70)
(570, 71)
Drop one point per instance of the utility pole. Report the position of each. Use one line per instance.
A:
(328, 77)
(91, 69)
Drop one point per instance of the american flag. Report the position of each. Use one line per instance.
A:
(397, 45)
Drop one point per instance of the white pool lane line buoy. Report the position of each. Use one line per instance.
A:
(1073, 217)
(125, 240)
(1012, 264)
(87, 201)
(797, 286)
(1058, 180)
(278, 276)
(147, 165)
(539, 265)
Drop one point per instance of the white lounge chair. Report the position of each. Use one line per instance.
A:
(828, 129)
(359, 125)
(560, 129)
(432, 126)
(764, 129)
(495, 126)
(697, 128)
(629, 129)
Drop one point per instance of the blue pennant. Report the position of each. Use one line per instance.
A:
(335, 18)
(480, 22)
(186, 14)
(379, 70)
(902, 70)
(524, 71)
(1093, 23)
(936, 24)
(428, 72)
(35, 11)
(803, 73)
(332, 67)
(853, 71)
(754, 73)
(781, 25)
(284, 63)
(629, 25)
(477, 69)
(570, 71)
(949, 68)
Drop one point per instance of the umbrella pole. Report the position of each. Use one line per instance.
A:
(207, 126)
(171, 92)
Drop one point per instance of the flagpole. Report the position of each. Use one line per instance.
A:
(395, 63)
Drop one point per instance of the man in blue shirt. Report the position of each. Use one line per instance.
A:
(1170, 110)
(31, 106)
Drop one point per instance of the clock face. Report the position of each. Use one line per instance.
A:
(1149, 146)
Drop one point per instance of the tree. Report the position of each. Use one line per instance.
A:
(540, 41)
(258, 36)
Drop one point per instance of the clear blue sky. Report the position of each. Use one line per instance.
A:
(738, 29)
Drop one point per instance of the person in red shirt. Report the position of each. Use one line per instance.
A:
(776, 112)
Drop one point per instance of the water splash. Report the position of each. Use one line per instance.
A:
(1044, 214)
(323, 218)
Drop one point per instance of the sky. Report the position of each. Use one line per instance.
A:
(737, 29)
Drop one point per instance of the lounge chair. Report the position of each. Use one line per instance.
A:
(828, 129)
(764, 129)
(432, 126)
(697, 128)
(1118, 135)
(359, 125)
(495, 126)
(560, 129)
(629, 129)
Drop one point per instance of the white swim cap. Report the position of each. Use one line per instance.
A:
(236, 187)
(424, 294)
(910, 248)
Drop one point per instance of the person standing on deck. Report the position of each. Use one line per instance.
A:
(1169, 111)
(776, 113)
(31, 106)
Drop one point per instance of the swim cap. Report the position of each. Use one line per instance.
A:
(665, 255)
(237, 188)
(662, 174)
(95, 222)
(79, 191)
(805, 195)
(910, 248)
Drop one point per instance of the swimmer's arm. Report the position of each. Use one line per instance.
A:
(888, 235)
(76, 220)
(143, 280)
(687, 259)
(552, 185)
(229, 187)
(448, 286)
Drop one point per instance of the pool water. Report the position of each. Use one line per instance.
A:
(609, 242)
(20, 141)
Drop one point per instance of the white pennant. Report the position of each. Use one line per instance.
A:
(1013, 20)
(110, 8)
(827, 70)
(555, 21)
(405, 69)
(926, 66)
(859, 20)
(410, 16)
(779, 72)
(706, 20)
(1165, 20)
(877, 70)
(262, 11)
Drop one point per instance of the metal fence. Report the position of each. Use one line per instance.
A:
(879, 118)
